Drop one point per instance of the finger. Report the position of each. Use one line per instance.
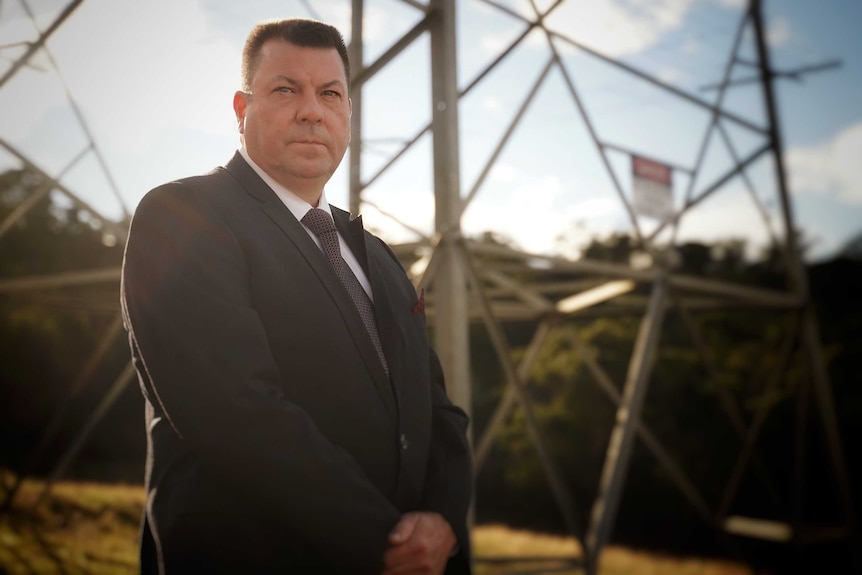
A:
(426, 550)
(397, 554)
(407, 563)
(397, 558)
(410, 557)
(403, 530)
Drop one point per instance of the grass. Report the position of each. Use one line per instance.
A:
(79, 528)
(500, 541)
(90, 528)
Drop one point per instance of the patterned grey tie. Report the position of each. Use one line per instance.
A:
(320, 222)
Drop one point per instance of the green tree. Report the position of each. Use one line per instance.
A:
(46, 335)
(683, 407)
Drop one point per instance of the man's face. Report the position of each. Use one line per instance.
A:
(296, 121)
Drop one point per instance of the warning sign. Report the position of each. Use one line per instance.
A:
(651, 188)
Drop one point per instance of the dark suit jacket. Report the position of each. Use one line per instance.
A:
(276, 443)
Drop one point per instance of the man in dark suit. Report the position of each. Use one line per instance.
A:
(296, 416)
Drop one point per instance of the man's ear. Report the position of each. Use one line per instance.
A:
(240, 101)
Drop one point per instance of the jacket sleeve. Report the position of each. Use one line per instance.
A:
(449, 481)
(207, 367)
(448, 484)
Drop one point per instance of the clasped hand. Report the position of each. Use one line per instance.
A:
(420, 542)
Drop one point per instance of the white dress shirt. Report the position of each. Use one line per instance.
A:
(299, 207)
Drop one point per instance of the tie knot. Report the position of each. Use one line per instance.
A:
(318, 221)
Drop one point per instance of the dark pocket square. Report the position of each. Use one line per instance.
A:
(419, 308)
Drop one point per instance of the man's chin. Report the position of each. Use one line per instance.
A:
(311, 165)
(312, 175)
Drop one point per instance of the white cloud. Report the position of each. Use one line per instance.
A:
(493, 105)
(31, 94)
(338, 14)
(830, 168)
(778, 33)
(378, 22)
(411, 204)
(535, 211)
(496, 43)
(691, 46)
(670, 75)
(13, 30)
(533, 230)
(34, 90)
(729, 214)
(619, 27)
(137, 86)
(505, 174)
(612, 27)
(599, 207)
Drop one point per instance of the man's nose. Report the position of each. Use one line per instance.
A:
(309, 109)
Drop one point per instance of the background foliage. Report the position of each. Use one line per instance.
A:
(46, 337)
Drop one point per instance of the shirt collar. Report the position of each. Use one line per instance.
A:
(297, 206)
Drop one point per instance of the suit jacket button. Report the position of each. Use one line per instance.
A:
(404, 443)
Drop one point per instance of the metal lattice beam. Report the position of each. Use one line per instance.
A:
(448, 265)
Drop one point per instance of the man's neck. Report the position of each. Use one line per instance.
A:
(310, 194)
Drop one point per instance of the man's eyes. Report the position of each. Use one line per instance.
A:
(289, 90)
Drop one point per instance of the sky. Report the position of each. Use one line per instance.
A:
(154, 82)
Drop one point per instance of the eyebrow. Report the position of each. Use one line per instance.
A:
(323, 86)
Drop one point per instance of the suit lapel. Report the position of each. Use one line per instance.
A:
(354, 234)
(391, 335)
(273, 207)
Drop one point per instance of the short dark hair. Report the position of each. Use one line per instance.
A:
(298, 31)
